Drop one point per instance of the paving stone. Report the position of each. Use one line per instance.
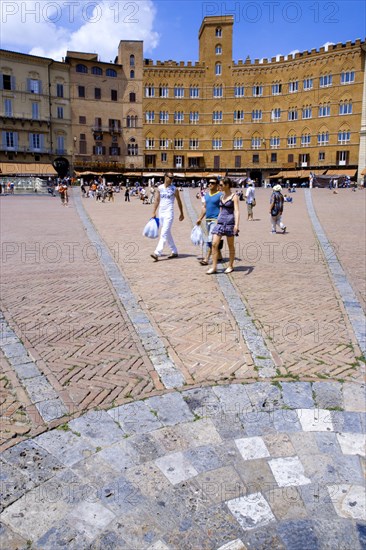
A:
(338, 534)
(219, 526)
(258, 423)
(349, 469)
(279, 445)
(202, 402)
(251, 511)
(67, 447)
(320, 468)
(33, 461)
(27, 370)
(219, 485)
(286, 503)
(263, 538)
(361, 529)
(90, 517)
(297, 395)
(149, 479)
(234, 399)
(252, 448)
(39, 389)
(201, 432)
(286, 421)
(354, 397)
(135, 418)
(264, 396)
(176, 467)
(327, 443)
(204, 458)
(65, 534)
(352, 444)
(229, 426)
(13, 484)
(233, 545)
(171, 439)
(51, 409)
(328, 395)
(120, 456)
(98, 427)
(288, 471)
(315, 420)
(159, 545)
(21, 359)
(304, 443)
(13, 350)
(170, 408)
(348, 500)
(48, 503)
(256, 475)
(347, 422)
(298, 535)
(317, 501)
(10, 540)
(147, 447)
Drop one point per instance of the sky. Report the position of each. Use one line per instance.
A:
(169, 29)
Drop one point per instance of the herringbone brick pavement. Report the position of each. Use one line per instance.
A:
(283, 279)
(56, 295)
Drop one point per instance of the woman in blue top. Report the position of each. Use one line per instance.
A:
(227, 225)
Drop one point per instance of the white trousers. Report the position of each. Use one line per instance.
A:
(166, 222)
(277, 220)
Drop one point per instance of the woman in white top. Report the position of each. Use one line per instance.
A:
(250, 196)
(165, 195)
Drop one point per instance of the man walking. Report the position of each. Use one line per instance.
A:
(210, 209)
(276, 209)
(166, 193)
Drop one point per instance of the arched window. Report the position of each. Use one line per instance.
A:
(218, 49)
(97, 70)
(218, 32)
(132, 97)
(132, 74)
(218, 69)
(132, 148)
(111, 72)
(132, 60)
(81, 68)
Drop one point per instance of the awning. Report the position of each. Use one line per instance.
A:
(363, 173)
(194, 155)
(88, 173)
(342, 172)
(153, 174)
(279, 175)
(296, 174)
(26, 169)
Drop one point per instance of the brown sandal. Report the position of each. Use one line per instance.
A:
(203, 262)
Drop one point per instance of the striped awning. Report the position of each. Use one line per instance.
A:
(26, 169)
(342, 172)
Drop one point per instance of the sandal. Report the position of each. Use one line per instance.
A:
(154, 257)
(211, 271)
(229, 270)
(203, 262)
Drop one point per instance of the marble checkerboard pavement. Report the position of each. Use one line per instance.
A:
(271, 456)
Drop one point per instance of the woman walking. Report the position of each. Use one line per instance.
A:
(227, 225)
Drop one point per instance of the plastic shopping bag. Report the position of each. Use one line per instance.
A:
(197, 236)
(151, 229)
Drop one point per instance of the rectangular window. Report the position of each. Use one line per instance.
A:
(307, 112)
(194, 91)
(304, 160)
(97, 93)
(342, 158)
(164, 157)
(98, 124)
(60, 112)
(149, 91)
(257, 91)
(60, 145)
(178, 117)
(82, 145)
(325, 81)
(345, 108)
(291, 141)
(273, 157)
(324, 110)
(35, 142)
(308, 84)
(238, 116)
(238, 143)
(323, 138)
(114, 125)
(255, 159)
(217, 143)
(82, 119)
(8, 82)
(274, 142)
(305, 140)
(292, 114)
(293, 87)
(114, 96)
(10, 140)
(8, 107)
(164, 143)
(114, 151)
(34, 86)
(217, 117)
(256, 143)
(193, 143)
(150, 117)
(35, 111)
(257, 114)
(347, 77)
(217, 91)
(81, 91)
(178, 143)
(239, 91)
(178, 91)
(237, 161)
(276, 89)
(321, 156)
(60, 90)
(150, 143)
(163, 117)
(344, 137)
(276, 114)
(98, 150)
(194, 117)
(163, 91)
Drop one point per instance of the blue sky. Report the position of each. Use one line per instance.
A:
(262, 28)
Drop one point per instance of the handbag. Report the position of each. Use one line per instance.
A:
(151, 229)
(197, 236)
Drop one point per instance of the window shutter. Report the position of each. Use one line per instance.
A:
(40, 86)
(30, 141)
(3, 135)
(16, 139)
(1, 81)
(119, 150)
(28, 84)
(93, 149)
(41, 141)
(338, 156)
(103, 150)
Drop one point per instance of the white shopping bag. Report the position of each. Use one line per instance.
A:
(151, 229)
(197, 236)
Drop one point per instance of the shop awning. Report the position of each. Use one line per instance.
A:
(296, 174)
(194, 154)
(26, 169)
(342, 172)
(88, 173)
(363, 173)
(152, 174)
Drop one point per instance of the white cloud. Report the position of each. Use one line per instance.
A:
(49, 29)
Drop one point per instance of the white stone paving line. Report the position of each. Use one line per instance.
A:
(352, 305)
(257, 347)
(169, 374)
(41, 393)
